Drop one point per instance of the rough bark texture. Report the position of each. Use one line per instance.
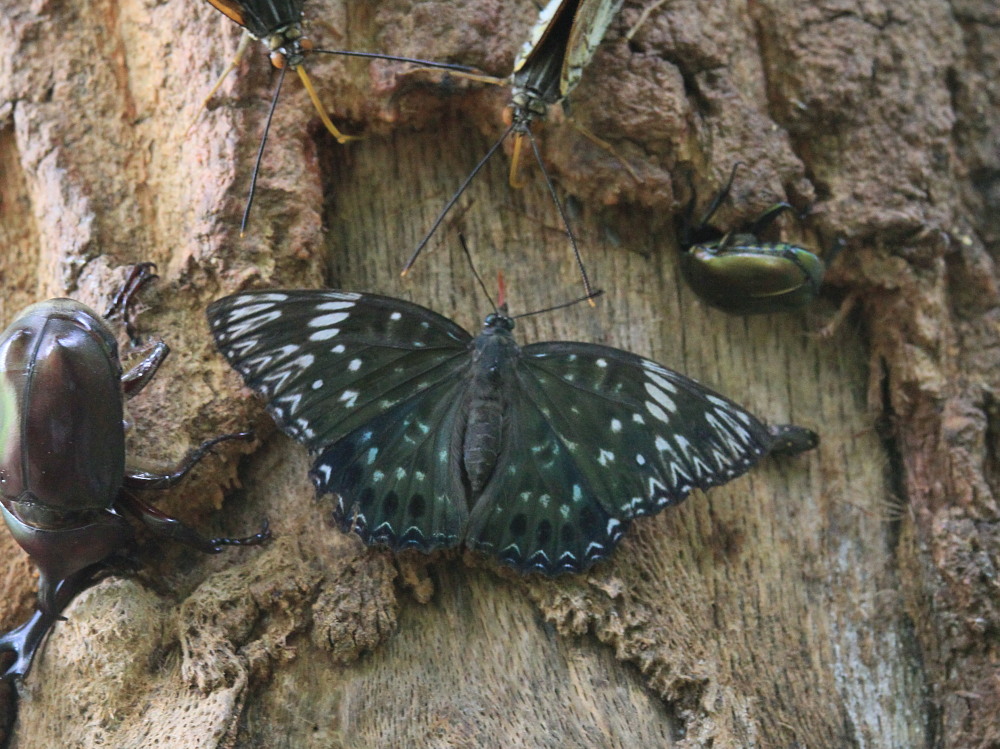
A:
(848, 597)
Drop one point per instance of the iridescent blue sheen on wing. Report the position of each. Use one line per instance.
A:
(430, 437)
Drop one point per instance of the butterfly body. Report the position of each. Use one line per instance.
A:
(431, 438)
(491, 376)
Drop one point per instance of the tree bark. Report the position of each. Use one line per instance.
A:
(846, 597)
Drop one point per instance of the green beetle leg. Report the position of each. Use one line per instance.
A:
(764, 220)
(717, 200)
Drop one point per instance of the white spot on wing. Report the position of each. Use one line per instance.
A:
(661, 397)
(325, 321)
(657, 412)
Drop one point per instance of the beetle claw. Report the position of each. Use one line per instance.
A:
(141, 274)
(262, 536)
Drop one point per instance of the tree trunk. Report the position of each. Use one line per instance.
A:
(846, 597)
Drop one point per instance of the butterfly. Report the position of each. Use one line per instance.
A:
(278, 24)
(547, 68)
(431, 437)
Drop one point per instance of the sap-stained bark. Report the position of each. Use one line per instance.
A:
(847, 597)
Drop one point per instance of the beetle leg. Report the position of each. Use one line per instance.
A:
(25, 640)
(139, 479)
(165, 526)
(717, 200)
(136, 378)
(141, 274)
(767, 218)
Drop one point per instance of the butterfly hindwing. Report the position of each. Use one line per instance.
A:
(539, 512)
(395, 480)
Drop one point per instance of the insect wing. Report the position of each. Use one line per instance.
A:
(330, 361)
(560, 502)
(261, 17)
(540, 513)
(589, 27)
(540, 31)
(395, 478)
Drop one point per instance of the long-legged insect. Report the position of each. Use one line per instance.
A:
(278, 23)
(547, 68)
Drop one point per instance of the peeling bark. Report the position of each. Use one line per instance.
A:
(847, 597)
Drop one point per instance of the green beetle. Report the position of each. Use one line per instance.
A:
(737, 272)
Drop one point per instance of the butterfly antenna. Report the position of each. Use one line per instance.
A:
(396, 58)
(589, 298)
(589, 293)
(260, 153)
(454, 199)
(472, 265)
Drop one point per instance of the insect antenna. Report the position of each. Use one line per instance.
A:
(588, 298)
(562, 214)
(424, 64)
(502, 288)
(260, 153)
(479, 279)
(454, 199)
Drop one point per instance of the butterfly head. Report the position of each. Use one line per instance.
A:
(498, 322)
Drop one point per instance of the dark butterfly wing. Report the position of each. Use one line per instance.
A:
(374, 383)
(261, 17)
(597, 437)
(538, 513)
(396, 477)
(329, 362)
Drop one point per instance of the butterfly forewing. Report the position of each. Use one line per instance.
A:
(543, 27)
(330, 361)
(658, 434)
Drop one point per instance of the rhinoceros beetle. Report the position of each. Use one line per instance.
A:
(64, 484)
(737, 272)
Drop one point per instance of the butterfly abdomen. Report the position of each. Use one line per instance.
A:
(493, 360)
(483, 436)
